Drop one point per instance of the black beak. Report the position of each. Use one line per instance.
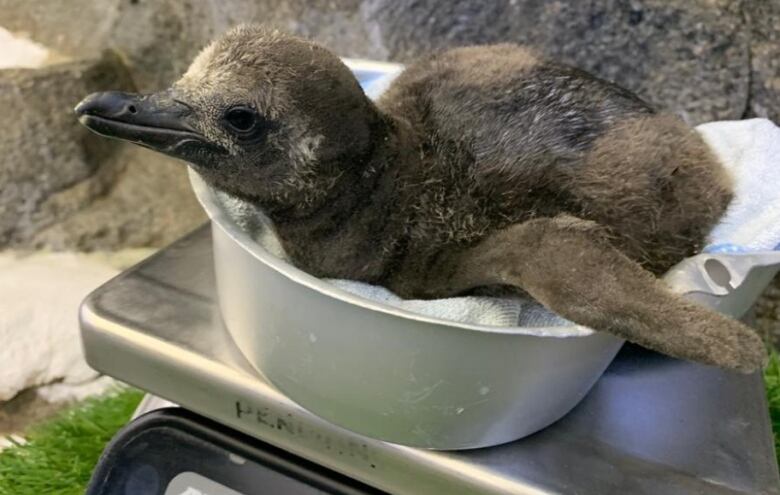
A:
(155, 121)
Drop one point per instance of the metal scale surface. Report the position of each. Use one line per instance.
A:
(651, 425)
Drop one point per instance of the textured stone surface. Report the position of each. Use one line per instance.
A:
(149, 203)
(765, 59)
(25, 409)
(37, 404)
(63, 187)
(159, 38)
(44, 152)
(690, 57)
(161, 34)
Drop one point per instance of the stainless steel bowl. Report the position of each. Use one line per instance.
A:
(399, 376)
(388, 373)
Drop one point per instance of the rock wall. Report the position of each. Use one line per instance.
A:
(706, 59)
(63, 187)
(49, 166)
(764, 17)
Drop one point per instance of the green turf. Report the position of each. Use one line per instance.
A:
(772, 381)
(60, 453)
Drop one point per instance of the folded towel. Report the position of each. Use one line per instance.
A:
(493, 311)
(748, 149)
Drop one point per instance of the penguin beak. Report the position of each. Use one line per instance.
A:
(156, 121)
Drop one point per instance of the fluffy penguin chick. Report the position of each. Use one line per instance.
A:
(480, 166)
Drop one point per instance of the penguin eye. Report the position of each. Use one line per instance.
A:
(241, 119)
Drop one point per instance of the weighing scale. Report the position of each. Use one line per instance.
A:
(651, 425)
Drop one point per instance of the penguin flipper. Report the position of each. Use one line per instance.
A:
(569, 266)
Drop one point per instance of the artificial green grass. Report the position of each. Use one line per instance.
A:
(772, 382)
(60, 454)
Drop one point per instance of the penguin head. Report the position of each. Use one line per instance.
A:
(259, 114)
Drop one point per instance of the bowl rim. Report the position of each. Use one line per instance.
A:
(208, 200)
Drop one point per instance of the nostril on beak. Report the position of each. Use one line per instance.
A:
(110, 104)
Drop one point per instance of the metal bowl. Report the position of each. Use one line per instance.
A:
(388, 373)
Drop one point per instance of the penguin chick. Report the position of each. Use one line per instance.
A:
(480, 166)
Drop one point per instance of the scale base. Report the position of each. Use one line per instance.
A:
(172, 451)
(650, 425)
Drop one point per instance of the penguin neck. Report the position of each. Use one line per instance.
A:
(353, 231)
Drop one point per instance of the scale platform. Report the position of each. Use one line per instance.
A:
(651, 425)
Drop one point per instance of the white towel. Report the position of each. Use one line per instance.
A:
(505, 312)
(500, 312)
(750, 151)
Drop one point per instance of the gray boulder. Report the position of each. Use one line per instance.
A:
(765, 59)
(44, 152)
(690, 57)
(62, 187)
(149, 203)
(158, 39)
